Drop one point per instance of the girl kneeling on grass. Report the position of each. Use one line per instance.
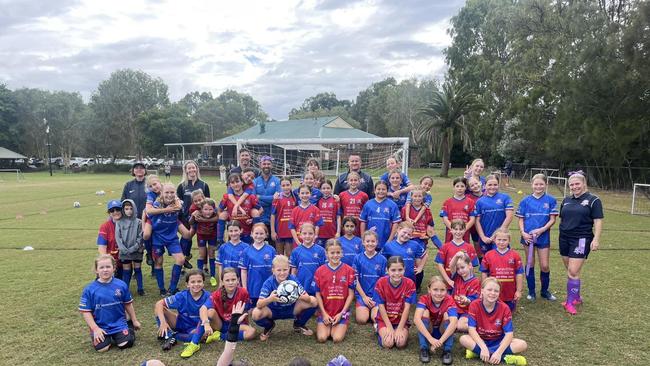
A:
(104, 304)
(216, 313)
(490, 331)
(394, 295)
(270, 308)
(334, 283)
(181, 326)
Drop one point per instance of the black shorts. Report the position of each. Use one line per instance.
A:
(126, 335)
(130, 261)
(575, 247)
(269, 239)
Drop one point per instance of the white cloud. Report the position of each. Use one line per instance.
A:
(279, 51)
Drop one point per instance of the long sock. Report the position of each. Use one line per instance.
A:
(418, 280)
(530, 280)
(545, 279)
(265, 323)
(199, 263)
(221, 229)
(138, 278)
(578, 285)
(168, 333)
(186, 246)
(436, 241)
(196, 338)
(303, 318)
(477, 349)
(176, 275)
(507, 351)
(160, 277)
(422, 339)
(572, 289)
(148, 244)
(213, 267)
(449, 343)
(126, 277)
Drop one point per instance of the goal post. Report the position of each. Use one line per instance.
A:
(291, 155)
(560, 183)
(641, 199)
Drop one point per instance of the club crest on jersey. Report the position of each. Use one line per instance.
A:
(247, 202)
(343, 279)
(409, 251)
(267, 257)
(386, 210)
(584, 202)
(511, 261)
(118, 292)
(315, 255)
(546, 205)
(272, 184)
(499, 201)
(377, 267)
(466, 207)
(497, 322)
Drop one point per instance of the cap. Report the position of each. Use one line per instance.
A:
(138, 163)
(265, 158)
(113, 204)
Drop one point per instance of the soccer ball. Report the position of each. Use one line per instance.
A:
(76, 204)
(100, 193)
(289, 291)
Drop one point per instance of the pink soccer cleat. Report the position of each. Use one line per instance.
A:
(569, 308)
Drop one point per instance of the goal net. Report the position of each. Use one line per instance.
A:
(641, 199)
(291, 155)
(557, 186)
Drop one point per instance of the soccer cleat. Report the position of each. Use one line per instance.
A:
(190, 349)
(569, 308)
(531, 297)
(149, 259)
(577, 301)
(425, 357)
(549, 296)
(214, 337)
(141, 292)
(469, 354)
(163, 292)
(447, 358)
(187, 264)
(206, 272)
(267, 332)
(168, 343)
(213, 281)
(515, 360)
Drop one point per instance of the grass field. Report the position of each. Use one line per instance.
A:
(41, 325)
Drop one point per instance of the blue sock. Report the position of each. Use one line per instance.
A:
(199, 263)
(126, 277)
(196, 337)
(168, 333)
(303, 318)
(213, 267)
(545, 278)
(449, 343)
(436, 241)
(138, 278)
(148, 244)
(507, 351)
(477, 350)
(176, 275)
(530, 280)
(160, 277)
(221, 229)
(423, 340)
(265, 323)
(186, 246)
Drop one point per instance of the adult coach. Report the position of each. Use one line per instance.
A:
(266, 185)
(581, 215)
(244, 162)
(365, 184)
(135, 189)
(190, 183)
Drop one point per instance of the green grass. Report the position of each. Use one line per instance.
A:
(41, 324)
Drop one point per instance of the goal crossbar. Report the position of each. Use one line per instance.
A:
(635, 199)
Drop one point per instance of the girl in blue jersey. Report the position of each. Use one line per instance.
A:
(165, 228)
(256, 262)
(494, 210)
(230, 253)
(182, 324)
(395, 191)
(369, 266)
(350, 243)
(537, 214)
(380, 215)
(104, 304)
(411, 251)
(307, 257)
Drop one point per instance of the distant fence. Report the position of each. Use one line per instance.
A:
(603, 177)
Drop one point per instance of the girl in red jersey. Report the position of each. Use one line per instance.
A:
(447, 252)
(458, 207)
(283, 205)
(216, 313)
(436, 318)
(304, 212)
(394, 295)
(206, 233)
(491, 334)
(250, 206)
(352, 200)
(504, 264)
(422, 223)
(467, 287)
(334, 282)
(329, 212)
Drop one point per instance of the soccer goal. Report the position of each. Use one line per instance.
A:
(557, 185)
(641, 199)
(291, 155)
(10, 173)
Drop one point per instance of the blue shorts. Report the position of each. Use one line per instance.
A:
(345, 319)
(321, 241)
(211, 242)
(485, 247)
(359, 301)
(537, 245)
(246, 239)
(172, 248)
(475, 236)
(254, 302)
(285, 312)
(493, 344)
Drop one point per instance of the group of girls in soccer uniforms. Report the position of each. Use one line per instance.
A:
(345, 246)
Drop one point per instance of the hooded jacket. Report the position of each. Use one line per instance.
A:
(128, 234)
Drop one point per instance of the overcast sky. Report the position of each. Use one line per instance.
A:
(280, 52)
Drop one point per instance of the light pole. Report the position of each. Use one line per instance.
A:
(49, 146)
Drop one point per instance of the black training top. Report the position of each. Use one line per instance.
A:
(135, 190)
(578, 214)
(184, 192)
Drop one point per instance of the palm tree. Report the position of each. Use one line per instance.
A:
(446, 112)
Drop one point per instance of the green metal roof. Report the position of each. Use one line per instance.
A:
(322, 127)
(8, 154)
